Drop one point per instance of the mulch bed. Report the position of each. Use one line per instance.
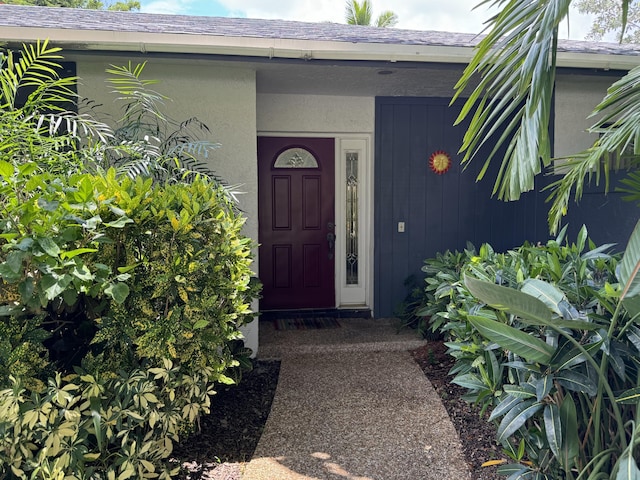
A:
(228, 437)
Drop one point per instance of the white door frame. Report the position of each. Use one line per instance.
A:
(360, 295)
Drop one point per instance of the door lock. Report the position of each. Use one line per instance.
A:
(331, 239)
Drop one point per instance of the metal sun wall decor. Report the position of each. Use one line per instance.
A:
(440, 162)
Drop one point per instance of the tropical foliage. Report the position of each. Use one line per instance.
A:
(121, 292)
(546, 338)
(361, 13)
(608, 19)
(516, 67)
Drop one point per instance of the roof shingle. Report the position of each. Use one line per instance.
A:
(115, 21)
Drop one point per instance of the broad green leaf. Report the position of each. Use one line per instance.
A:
(200, 324)
(25, 244)
(549, 294)
(470, 381)
(522, 344)
(516, 418)
(127, 268)
(512, 470)
(8, 275)
(504, 298)
(570, 441)
(53, 286)
(48, 206)
(119, 223)
(6, 169)
(118, 291)
(577, 382)
(26, 287)
(83, 273)
(528, 308)
(543, 386)
(70, 296)
(582, 238)
(632, 305)
(506, 404)
(553, 428)
(49, 247)
(96, 407)
(630, 264)
(628, 468)
(9, 310)
(76, 252)
(14, 261)
(633, 334)
(524, 390)
(630, 396)
(568, 355)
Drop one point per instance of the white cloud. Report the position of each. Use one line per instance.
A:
(170, 7)
(453, 15)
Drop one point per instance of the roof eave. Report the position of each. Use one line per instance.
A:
(106, 40)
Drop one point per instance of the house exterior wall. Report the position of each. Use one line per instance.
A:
(575, 97)
(222, 98)
(440, 212)
(314, 114)
(443, 212)
(609, 219)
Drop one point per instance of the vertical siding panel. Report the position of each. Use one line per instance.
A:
(383, 184)
(416, 227)
(609, 219)
(453, 237)
(440, 211)
(482, 190)
(401, 202)
(434, 187)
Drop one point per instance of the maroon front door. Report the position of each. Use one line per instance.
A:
(296, 215)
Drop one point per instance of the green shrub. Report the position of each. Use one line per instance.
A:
(123, 270)
(121, 298)
(84, 427)
(541, 337)
(105, 275)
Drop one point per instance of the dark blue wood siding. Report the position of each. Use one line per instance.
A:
(445, 211)
(440, 211)
(608, 218)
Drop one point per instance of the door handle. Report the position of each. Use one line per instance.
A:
(331, 239)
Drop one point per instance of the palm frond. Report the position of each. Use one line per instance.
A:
(34, 69)
(619, 130)
(139, 100)
(631, 186)
(358, 13)
(515, 64)
(387, 19)
(192, 149)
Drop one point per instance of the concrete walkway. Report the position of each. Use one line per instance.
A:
(352, 404)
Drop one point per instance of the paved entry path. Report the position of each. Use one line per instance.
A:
(351, 404)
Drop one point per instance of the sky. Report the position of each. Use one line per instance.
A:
(451, 15)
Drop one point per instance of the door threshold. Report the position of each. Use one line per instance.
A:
(316, 313)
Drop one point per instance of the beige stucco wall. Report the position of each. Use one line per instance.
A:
(315, 114)
(576, 97)
(223, 98)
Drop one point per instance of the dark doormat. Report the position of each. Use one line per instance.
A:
(315, 313)
(310, 323)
